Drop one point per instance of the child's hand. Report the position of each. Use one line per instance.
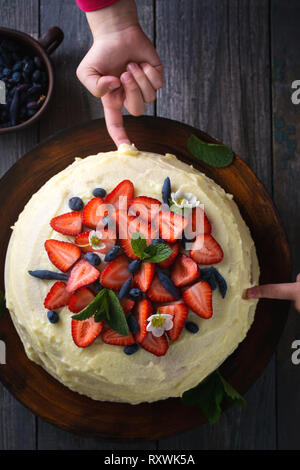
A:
(289, 291)
(122, 66)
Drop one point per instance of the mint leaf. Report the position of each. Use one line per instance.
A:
(157, 253)
(94, 307)
(209, 394)
(216, 155)
(117, 320)
(2, 304)
(138, 244)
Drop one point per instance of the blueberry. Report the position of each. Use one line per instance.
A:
(135, 265)
(30, 112)
(93, 258)
(14, 108)
(44, 274)
(36, 76)
(133, 324)
(6, 72)
(135, 293)
(99, 192)
(97, 286)
(17, 67)
(76, 204)
(157, 240)
(221, 282)
(107, 221)
(191, 327)
(208, 275)
(37, 61)
(125, 288)
(167, 283)
(166, 190)
(131, 349)
(112, 253)
(52, 316)
(16, 77)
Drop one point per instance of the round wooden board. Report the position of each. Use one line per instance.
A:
(49, 399)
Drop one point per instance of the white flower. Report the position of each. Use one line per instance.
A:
(159, 323)
(95, 240)
(182, 199)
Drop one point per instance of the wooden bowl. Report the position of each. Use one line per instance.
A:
(42, 48)
(51, 400)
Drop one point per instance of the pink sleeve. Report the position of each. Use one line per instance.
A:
(92, 5)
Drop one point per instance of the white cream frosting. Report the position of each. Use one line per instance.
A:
(102, 371)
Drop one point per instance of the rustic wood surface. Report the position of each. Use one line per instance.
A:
(218, 57)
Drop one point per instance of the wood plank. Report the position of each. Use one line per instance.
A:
(216, 80)
(286, 131)
(17, 424)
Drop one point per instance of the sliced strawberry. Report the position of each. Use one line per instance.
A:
(115, 273)
(143, 311)
(112, 337)
(157, 346)
(85, 332)
(175, 250)
(68, 224)
(108, 238)
(206, 250)
(121, 196)
(158, 293)
(82, 274)
(127, 304)
(94, 212)
(170, 225)
(62, 254)
(80, 299)
(199, 298)
(144, 207)
(144, 276)
(198, 223)
(184, 271)
(57, 296)
(179, 313)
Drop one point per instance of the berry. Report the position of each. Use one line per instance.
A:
(125, 288)
(112, 337)
(99, 192)
(115, 273)
(199, 298)
(167, 284)
(97, 286)
(52, 316)
(175, 247)
(121, 195)
(127, 304)
(157, 346)
(206, 250)
(76, 204)
(192, 327)
(94, 212)
(179, 313)
(112, 253)
(199, 222)
(158, 293)
(184, 271)
(80, 299)
(157, 240)
(131, 349)
(135, 293)
(135, 265)
(221, 282)
(166, 190)
(57, 296)
(171, 225)
(208, 275)
(67, 224)
(93, 258)
(143, 311)
(107, 222)
(82, 274)
(49, 275)
(145, 276)
(144, 207)
(62, 254)
(85, 332)
(133, 324)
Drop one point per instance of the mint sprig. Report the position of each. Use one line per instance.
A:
(152, 253)
(2, 304)
(209, 395)
(216, 155)
(106, 307)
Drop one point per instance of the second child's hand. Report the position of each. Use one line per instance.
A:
(288, 291)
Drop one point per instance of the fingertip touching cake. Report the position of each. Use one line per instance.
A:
(124, 276)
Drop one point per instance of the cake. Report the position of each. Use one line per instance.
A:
(184, 315)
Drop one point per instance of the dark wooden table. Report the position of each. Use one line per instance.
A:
(229, 66)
